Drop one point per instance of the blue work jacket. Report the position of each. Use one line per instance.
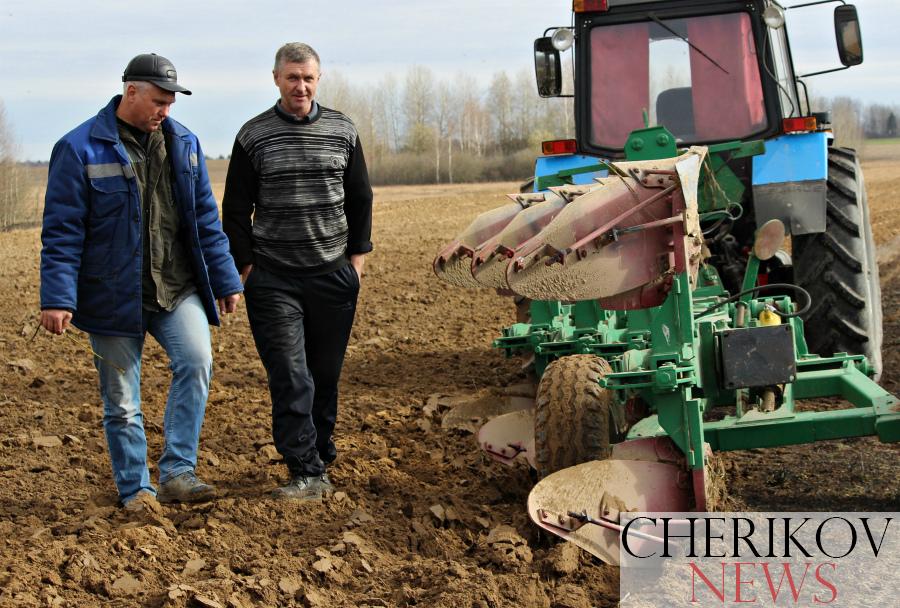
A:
(91, 258)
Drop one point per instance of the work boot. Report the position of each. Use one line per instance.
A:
(142, 503)
(302, 487)
(186, 488)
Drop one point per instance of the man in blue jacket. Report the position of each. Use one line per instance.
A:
(132, 243)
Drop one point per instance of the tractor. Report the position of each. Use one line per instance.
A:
(695, 263)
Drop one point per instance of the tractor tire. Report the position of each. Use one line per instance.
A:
(574, 418)
(839, 270)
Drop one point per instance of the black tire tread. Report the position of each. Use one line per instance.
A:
(836, 214)
(844, 290)
(836, 268)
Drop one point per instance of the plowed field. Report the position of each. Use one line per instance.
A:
(421, 517)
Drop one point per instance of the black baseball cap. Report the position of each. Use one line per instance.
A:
(150, 67)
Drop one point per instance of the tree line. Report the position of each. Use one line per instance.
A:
(420, 129)
(417, 129)
(854, 121)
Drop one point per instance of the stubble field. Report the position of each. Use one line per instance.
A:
(421, 517)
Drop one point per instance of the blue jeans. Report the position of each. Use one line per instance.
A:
(184, 334)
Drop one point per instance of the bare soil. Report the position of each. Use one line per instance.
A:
(421, 518)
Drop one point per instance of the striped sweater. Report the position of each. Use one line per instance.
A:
(305, 185)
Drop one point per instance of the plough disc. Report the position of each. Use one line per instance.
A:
(653, 449)
(620, 242)
(581, 504)
(454, 262)
(509, 436)
(472, 414)
(490, 261)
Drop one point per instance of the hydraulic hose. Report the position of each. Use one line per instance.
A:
(784, 315)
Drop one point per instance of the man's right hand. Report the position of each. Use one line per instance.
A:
(245, 272)
(55, 320)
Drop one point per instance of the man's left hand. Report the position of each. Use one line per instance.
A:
(359, 262)
(228, 304)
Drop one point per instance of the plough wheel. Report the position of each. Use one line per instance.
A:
(574, 416)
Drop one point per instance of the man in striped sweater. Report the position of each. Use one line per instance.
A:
(298, 171)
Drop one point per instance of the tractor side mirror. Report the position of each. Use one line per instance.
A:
(547, 68)
(849, 40)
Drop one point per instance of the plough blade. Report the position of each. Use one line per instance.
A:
(471, 415)
(454, 262)
(620, 243)
(509, 437)
(581, 504)
(491, 259)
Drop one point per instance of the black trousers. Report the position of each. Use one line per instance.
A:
(301, 326)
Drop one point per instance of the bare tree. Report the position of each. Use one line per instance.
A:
(418, 100)
(12, 191)
(473, 117)
(500, 100)
(335, 92)
(445, 119)
(846, 120)
(524, 105)
(386, 104)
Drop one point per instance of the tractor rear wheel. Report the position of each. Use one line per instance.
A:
(574, 419)
(839, 270)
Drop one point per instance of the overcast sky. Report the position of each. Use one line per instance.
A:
(61, 61)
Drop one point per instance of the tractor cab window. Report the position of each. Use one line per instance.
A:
(697, 76)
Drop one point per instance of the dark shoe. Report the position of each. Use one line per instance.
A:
(301, 487)
(142, 503)
(186, 488)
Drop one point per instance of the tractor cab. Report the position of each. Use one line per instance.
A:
(709, 72)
